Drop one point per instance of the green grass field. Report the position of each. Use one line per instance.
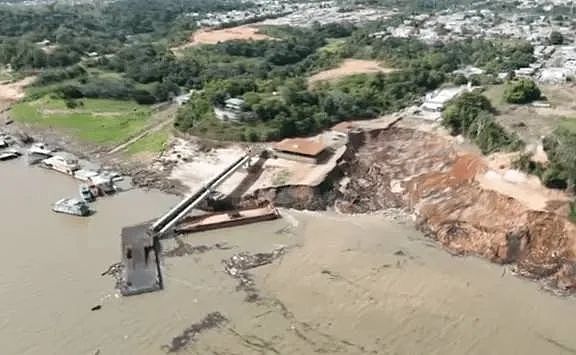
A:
(569, 123)
(152, 143)
(97, 121)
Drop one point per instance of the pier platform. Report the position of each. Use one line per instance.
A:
(141, 272)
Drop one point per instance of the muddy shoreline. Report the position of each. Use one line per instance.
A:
(138, 170)
(401, 169)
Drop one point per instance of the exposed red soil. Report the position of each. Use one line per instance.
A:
(423, 172)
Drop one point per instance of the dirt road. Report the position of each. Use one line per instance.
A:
(160, 120)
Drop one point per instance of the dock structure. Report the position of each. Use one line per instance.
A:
(140, 257)
(141, 243)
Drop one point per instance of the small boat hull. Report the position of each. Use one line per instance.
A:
(9, 155)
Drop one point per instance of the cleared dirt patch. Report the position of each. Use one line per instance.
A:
(208, 36)
(349, 67)
(13, 91)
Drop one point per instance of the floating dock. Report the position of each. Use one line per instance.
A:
(141, 271)
(217, 220)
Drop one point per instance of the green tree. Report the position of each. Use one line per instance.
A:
(197, 109)
(470, 114)
(463, 111)
(522, 91)
(560, 148)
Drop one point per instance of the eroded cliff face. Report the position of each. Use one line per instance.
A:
(423, 173)
(300, 197)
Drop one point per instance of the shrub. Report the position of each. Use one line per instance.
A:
(555, 178)
(556, 38)
(471, 114)
(71, 103)
(522, 91)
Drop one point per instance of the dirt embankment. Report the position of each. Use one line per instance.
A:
(406, 168)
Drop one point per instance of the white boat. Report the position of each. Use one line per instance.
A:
(114, 175)
(85, 175)
(9, 154)
(71, 206)
(86, 193)
(63, 164)
(40, 149)
(104, 184)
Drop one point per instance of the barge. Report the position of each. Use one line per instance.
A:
(216, 220)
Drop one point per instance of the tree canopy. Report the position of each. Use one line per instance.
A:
(556, 38)
(471, 114)
(522, 91)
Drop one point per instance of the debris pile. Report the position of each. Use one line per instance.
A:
(211, 321)
(151, 179)
(183, 249)
(115, 271)
(238, 265)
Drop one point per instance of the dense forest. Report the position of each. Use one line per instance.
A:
(93, 27)
(122, 50)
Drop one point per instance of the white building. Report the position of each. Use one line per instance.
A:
(233, 110)
(554, 75)
(436, 100)
(469, 71)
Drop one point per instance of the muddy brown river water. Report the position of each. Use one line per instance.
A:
(346, 285)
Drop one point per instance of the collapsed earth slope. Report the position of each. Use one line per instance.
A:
(424, 173)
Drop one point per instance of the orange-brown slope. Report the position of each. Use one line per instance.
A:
(423, 172)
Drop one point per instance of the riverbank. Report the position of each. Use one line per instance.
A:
(400, 290)
(470, 204)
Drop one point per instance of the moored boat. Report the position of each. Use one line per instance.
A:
(71, 206)
(64, 164)
(9, 154)
(40, 149)
(86, 193)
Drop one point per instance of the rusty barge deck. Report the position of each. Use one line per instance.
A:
(217, 220)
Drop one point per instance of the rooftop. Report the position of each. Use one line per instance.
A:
(302, 146)
(235, 101)
(344, 127)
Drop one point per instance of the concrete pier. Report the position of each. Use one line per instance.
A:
(141, 271)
